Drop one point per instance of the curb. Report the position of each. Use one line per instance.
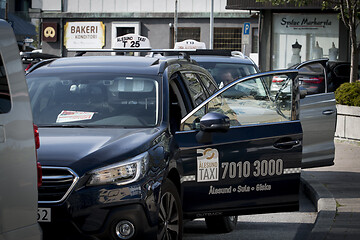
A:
(325, 205)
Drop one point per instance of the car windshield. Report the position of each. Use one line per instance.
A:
(224, 73)
(94, 99)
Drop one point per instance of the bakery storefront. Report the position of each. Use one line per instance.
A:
(289, 34)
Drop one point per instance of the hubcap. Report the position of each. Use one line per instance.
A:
(168, 218)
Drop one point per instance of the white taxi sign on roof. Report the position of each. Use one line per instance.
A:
(132, 41)
(190, 44)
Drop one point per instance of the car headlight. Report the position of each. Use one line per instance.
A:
(121, 173)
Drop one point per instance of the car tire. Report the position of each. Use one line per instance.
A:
(221, 224)
(170, 213)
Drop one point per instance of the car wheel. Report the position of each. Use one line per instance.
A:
(170, 213)
(221, 224)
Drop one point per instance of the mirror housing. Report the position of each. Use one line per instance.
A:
(214, 122)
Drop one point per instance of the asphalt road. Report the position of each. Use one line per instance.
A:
(288, 225)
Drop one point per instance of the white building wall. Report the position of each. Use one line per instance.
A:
(49, 5)
(150, 6)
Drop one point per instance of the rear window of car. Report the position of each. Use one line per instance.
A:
(94, 99)
(5, 102)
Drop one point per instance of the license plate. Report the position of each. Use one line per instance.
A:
(44, 215)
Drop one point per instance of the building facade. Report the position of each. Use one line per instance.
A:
(154, 19)
(16, 12)
(289, 34)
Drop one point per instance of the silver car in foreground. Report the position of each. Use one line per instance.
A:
(18, 165)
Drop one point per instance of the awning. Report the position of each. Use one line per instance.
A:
(254, 5)
(20, 26)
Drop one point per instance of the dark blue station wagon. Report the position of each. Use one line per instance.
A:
(132, 146)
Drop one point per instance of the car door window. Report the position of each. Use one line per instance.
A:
(5, 103)
(248, 102)
(312, 78)
(193, 84)
(209, 85)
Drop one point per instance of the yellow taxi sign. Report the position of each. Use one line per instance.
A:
(190, 44)
(132, 41)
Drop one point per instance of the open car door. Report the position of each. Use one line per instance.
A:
(317, 115)
(241, 150)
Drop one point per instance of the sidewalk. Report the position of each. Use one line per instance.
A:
(339, 219)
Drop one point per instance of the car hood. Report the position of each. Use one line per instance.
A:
(85, 149)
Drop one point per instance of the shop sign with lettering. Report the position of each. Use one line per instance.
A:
(305, 23)
(84, 35)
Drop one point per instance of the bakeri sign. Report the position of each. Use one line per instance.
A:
(84, 35)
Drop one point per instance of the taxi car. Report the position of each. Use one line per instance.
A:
(132, 146)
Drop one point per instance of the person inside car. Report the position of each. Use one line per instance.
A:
(226, 77)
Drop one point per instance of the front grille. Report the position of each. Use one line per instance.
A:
(57, 183)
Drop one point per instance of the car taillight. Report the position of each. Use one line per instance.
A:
(277, 79)
(36, 135)
(39, 174)
(315, 80)
(37, 146)
(28, 67)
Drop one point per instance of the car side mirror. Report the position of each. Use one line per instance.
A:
(212, 122)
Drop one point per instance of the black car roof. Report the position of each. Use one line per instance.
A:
(124, 64)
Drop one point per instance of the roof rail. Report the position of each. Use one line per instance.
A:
(238, 54)
(183, 52)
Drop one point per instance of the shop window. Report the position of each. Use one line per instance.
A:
(184, 33)
(123, 28)
(255, 40)
(5, 103)
(302, 37)
(227, 38)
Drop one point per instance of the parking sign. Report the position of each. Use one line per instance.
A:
(246, 28)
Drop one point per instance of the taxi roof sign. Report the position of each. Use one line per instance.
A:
(132, 41)
(190, 44)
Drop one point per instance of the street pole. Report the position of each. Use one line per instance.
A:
(211, 24)
(176, 22)
(6, 10)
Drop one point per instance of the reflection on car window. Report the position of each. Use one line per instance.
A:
(224, 73)
(247, 103)
(312, 78)
(5, 103)
(94, 99)
(195, 89)
(209, 85)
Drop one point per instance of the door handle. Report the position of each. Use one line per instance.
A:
(328, 112)
(287, 144)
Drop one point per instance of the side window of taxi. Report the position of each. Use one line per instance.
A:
(196, 91)
(5, 103)
(246, 103)
(209, 85)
